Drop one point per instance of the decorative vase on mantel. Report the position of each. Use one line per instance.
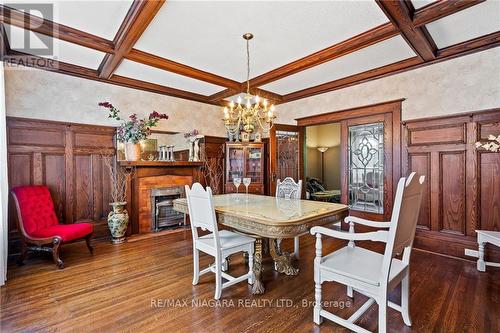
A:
(118, 222)
(132, 151)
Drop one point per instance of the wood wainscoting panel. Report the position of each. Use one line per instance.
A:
(463, 191)
(66, 158)
(489, 190)
(438, 135)
(37, 137)
(486, 130)
(421, 163)
(452, 192)
(54, 176)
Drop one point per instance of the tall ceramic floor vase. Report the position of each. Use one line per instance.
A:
(132, 151)
(118, 222)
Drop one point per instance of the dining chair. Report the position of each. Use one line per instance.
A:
(289, 189)
(218, 244)
(370, 273)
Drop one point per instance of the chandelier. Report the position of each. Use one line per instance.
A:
(248, 115)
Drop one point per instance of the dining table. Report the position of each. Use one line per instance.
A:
(269, 220)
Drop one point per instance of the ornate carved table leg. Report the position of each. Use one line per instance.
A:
(258, 286)
(281, 260)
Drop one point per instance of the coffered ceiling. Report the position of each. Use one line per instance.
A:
(194, 50)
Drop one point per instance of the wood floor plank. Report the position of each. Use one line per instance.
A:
(113, 291)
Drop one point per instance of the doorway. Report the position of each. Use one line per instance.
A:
(322, 165)
(367, 164)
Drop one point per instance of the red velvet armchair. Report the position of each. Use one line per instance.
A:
(38, 225)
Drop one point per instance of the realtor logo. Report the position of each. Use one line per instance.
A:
(29, 49)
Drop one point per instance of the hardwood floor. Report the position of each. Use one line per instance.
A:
(117, 290)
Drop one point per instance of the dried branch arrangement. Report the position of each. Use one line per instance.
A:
(493, 144)
(118, 176)
(214, 171)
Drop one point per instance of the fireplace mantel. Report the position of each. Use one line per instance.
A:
(160, 164)
(149, 175)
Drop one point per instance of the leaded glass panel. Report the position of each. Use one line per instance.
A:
(366, 167)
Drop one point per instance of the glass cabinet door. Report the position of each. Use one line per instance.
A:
(366, 167)
(254, 164)
(235, 165)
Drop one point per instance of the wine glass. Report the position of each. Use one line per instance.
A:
(246, 182)
(237, 183)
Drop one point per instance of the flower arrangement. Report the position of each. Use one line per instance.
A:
(492, 145)
(133, 129)
(194, 132)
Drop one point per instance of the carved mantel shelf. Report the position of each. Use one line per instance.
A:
(160, 164)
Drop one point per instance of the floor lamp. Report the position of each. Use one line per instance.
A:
(322, 151)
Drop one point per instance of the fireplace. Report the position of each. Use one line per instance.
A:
(163, 214)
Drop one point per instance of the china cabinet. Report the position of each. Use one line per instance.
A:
(245, 160)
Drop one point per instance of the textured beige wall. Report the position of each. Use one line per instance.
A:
(33, 93)
(469, 83)
(324, 136)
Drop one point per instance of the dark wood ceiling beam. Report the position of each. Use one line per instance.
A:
(47, 64)
(272, 97)
(140, 14)
(352, 80)
(360, 41)
(440, 9)
(401, 15)
(152, 87)
(474, 45)
(28, 60)
(36, 24)
(175, 67)
(4, 43)
(221, 95)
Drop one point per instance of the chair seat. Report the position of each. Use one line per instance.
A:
(360, 264)
(67, 232)
(228, 239)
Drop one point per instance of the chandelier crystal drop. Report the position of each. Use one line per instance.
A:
(253, 113)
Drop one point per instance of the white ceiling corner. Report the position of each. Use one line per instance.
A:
(155, 75)
(377, 55)
(98, 17)
(475, 21)
(207, 35)
(61, 50)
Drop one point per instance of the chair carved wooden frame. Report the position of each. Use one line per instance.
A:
(290, 190)
(49, 244)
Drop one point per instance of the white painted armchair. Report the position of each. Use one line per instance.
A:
(367, 272)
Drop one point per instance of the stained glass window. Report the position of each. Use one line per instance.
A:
(366, 167)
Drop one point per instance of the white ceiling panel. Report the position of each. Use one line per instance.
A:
(61, 50)
(475, 21)
(100, 18)
(146, 73)
(207, 34)
(380, 54)
(421, 3)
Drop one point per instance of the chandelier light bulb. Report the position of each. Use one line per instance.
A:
(231, 105)
(257, 99)
(239, 99)
(264, 102)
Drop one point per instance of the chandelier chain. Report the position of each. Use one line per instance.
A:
(248, 66)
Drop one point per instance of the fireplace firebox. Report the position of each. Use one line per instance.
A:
(163, 214)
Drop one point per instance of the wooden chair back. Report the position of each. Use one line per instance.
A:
(201, 210)
(288, 188)
(404, 220)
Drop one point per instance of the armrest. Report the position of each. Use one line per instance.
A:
(368, 223)
(376, 236)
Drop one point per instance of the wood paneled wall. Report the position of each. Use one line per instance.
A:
(66, 158)
(463, 184)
